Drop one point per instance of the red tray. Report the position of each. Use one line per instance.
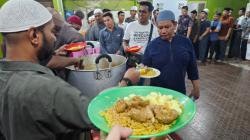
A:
(134, 49)
(74, 47)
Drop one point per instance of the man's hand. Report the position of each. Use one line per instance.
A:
(118, 132)
(133, 75)
(227, 37)
(195, 93)
(200, 38)
(58, 62)
(196, 89)
(195, 39)
(60, 51)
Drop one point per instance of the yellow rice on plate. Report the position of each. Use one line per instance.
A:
(145, 128)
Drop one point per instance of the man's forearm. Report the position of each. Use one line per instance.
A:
(189, 31)
(125, 44)
(61, 62)
(205, 33)
(229, 32)
(196, 84)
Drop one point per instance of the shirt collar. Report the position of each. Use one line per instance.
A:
(23, 66)
(115, 28)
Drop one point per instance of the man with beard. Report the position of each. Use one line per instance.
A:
(173, 55)
(93, 32)
(35, 104)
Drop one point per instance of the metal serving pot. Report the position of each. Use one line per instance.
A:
(98, 73)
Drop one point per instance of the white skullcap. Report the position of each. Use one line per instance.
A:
(92, 18)
(21, 15)
(206, 10)
(98, 11)
(134, 8)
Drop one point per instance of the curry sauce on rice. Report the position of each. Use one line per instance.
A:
(146, 115)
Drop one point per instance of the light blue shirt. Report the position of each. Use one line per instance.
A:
(214, 36)
(111, 42)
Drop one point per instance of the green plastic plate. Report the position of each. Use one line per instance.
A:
(108, 97)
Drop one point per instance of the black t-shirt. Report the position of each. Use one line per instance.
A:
(203, 26)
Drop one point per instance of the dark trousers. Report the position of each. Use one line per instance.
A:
(243, 49)
(234, 50)
(222, 49)
(196, 49)
(203, 44)
(213, 49)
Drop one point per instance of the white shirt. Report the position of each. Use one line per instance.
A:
(122, 25)
(240, 20)
(138, 34)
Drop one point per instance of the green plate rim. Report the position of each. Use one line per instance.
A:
(144, 136)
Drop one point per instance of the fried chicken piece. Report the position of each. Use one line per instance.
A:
(164, 115)
(121, 106)
(137, 102)
(141, 115)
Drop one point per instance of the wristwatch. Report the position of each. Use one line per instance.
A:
(128, 81)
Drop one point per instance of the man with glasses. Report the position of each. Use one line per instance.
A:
(141, 32)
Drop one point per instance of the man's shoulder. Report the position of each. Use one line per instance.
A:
(134, 23)
(155, 41)
(45, 82)
(182, 39)
(103, 30)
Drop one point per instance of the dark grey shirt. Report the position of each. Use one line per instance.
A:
(111, 42)
(93, 33)
(36, 105)
(67, 35)
(130, 19)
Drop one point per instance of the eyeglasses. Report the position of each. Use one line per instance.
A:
(143, 11)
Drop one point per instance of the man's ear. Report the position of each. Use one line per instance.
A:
(33, 36)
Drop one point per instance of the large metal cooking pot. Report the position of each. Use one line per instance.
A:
(100, 72)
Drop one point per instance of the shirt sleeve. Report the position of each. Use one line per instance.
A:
(89, 34)
(231, 22)
(179, 20)
(127, 32)
(122, 35)
(192, 69)
(155, 33)
(70, 108)
(218, 26)
(239, 20)
(190, 24)
(73, 36)
(208, 24)
(58, 106)
(147, 59)
(102, 43)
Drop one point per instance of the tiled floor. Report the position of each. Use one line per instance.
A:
(223, 110)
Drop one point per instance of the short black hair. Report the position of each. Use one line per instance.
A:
(204, 12)
(120, 12)
(227, 9)
(194, 12)
(218, 14)
(106, 10)
(108, 14)
(185, 7)
(80, 14)
(148, 4)
(243, 9)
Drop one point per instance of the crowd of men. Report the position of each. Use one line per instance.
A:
(210, 38)
(36, 104)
